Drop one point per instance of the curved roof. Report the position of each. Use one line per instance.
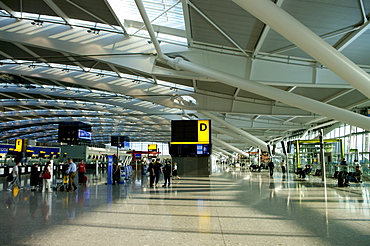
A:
(95, 63)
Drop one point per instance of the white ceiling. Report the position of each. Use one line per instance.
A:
(60, 72)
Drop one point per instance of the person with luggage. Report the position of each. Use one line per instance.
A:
(15, 174)
(34, 177)
(81, 167)
(72, 174)
(167, 174)
(46, 178)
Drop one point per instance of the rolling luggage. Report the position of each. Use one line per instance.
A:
(84, 181)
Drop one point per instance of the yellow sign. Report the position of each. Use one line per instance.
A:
(152, 147)
(203, 131)
(18, 145)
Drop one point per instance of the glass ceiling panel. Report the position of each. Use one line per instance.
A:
(167, 13)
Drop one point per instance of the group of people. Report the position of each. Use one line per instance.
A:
(344, 177)
(155, 169)
(46, 176)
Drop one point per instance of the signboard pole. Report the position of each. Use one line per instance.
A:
(110, 169)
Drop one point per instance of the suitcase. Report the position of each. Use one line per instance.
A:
(84, 181)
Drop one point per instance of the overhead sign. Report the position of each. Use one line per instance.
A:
(152, 147)
(190, 132)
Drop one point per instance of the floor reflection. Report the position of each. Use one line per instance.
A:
(230, 207)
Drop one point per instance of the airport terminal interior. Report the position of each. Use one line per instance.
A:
(220, 90)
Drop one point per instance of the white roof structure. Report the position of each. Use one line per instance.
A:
(273, 69)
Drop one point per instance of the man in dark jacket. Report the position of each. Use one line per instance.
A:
(167, 174)
(151, 173)
(157, 170)
(271, 167)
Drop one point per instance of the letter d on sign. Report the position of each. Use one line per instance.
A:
(203, 131)
(202, 127)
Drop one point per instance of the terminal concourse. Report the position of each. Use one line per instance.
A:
(231, 207)
(101, 81)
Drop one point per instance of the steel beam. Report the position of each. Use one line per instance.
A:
(289, 27)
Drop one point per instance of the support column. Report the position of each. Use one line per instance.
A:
(257, 142)
(221, 150)
(234, 135)
(295, 100)
(229, 146)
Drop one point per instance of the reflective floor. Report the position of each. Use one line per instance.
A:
(233, 207)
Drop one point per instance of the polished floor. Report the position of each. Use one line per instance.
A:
(231, 207)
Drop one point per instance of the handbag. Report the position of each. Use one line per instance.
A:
(9, 178)
(46, 176)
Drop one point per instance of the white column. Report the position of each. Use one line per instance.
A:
(258, 142)
(221, 150)
(308, 41)
(295, 100)
(234, 135)
(229, 146)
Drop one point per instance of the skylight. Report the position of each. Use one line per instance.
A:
(167, 13)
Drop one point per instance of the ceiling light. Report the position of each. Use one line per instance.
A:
(94, 31)
(30, 87)
(37, 23)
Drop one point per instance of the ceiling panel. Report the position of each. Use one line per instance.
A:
(14, 51)
(237, 23)
(87, 10)
(319, 94)
(358, 50)
(351, 99)
(29, 6)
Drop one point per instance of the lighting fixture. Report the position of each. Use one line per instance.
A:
(94, 30)
(30, 87)
(38, 23)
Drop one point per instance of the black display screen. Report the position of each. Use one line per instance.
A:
(189, 150)
(184, 131)
(74, 132)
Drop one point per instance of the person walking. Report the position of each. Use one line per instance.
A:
(167, 174)
(15, 174)
(282, 164)
(46, 178)
(81, 171)
(72, 174)
(271, 168)
(174, 171)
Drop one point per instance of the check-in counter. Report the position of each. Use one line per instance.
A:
(2, 171)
